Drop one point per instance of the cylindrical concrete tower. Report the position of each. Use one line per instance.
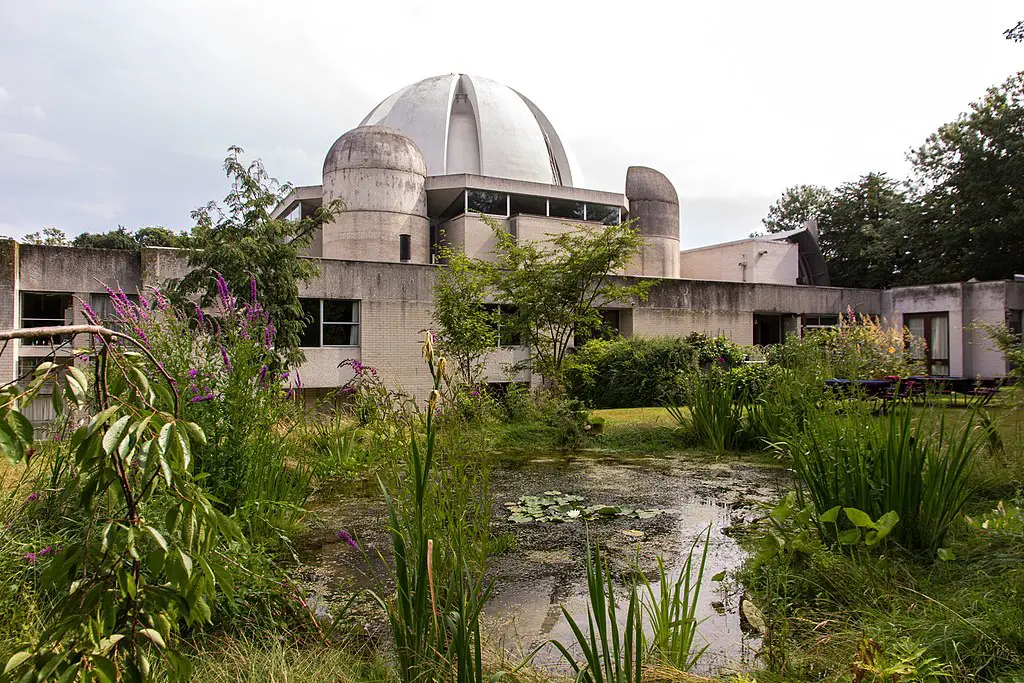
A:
(654, 202)
(379, 174)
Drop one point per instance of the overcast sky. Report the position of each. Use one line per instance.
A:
(120, 112)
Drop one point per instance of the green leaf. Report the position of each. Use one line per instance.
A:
(720, 576)
(114, 435)
(79, 377)
(16, 660)
(22, 427)
(155, 636)
(850, 537)
(946, 555)
(195, 432)
(10, 443)
(859, 518)
(104, 669)
(830, 516)
(157, 537)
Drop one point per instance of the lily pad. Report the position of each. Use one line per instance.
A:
(557, 507)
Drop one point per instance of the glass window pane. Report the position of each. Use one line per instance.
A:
(341, 335)
(915, 325)
(532, 206)
(602, 213)
(495, 203)
(456, 208)
(564, 208)
(341, 311)
(310, 337)
(405, 247)
(940, 338)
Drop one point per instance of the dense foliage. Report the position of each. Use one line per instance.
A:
(638, 371)
(553, 288)
(240, 242)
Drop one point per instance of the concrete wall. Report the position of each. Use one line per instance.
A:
(746, 261)
(967, 303)
(679, 307)
(9, 305)
(396, 301)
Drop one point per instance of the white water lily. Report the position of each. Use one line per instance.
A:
(572, 514)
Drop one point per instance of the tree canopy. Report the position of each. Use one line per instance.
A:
(796, 206)
(254, 252)
(553, 288)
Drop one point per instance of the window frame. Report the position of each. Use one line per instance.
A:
(56, 340)
(930, 360)
(356, 324)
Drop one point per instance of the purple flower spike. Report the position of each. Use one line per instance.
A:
(224, 357)
(346, 537)
(227, 302)
(32, 497)
(199, 314)
(30, 558)
(252, 287)
(89, 313)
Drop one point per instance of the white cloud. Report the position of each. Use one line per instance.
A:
(30, 146)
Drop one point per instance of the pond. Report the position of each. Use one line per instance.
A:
(544, 567)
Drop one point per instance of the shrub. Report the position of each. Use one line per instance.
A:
(232, 384)
(859, 347)
(641, 372)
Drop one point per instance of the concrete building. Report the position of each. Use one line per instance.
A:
(417, 172)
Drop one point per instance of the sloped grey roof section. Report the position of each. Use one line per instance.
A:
(473, 125)
(813, 269)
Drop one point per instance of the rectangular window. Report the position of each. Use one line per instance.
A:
(934, 329)
(564, 208)
(603, 213)
(405, 247)
(531, 206)
(103, 307)
(330, 322)
(484, 201)
(44, 310)
(505, 333)
(817, 322)
(610, 328)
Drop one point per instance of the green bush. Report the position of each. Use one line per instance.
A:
(230, 376)
(641, 372)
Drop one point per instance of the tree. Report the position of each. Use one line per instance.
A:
(796, 206)
(1016, 34)
(242, 243)
(122, 238)
(466, 329)
(119, 238)
(553, 288)
(50, 237)
(862, 233)
(969, 180)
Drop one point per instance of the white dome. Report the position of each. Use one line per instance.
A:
(468, 124)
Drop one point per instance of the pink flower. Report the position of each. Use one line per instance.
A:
(32, 497)
(346, 537)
